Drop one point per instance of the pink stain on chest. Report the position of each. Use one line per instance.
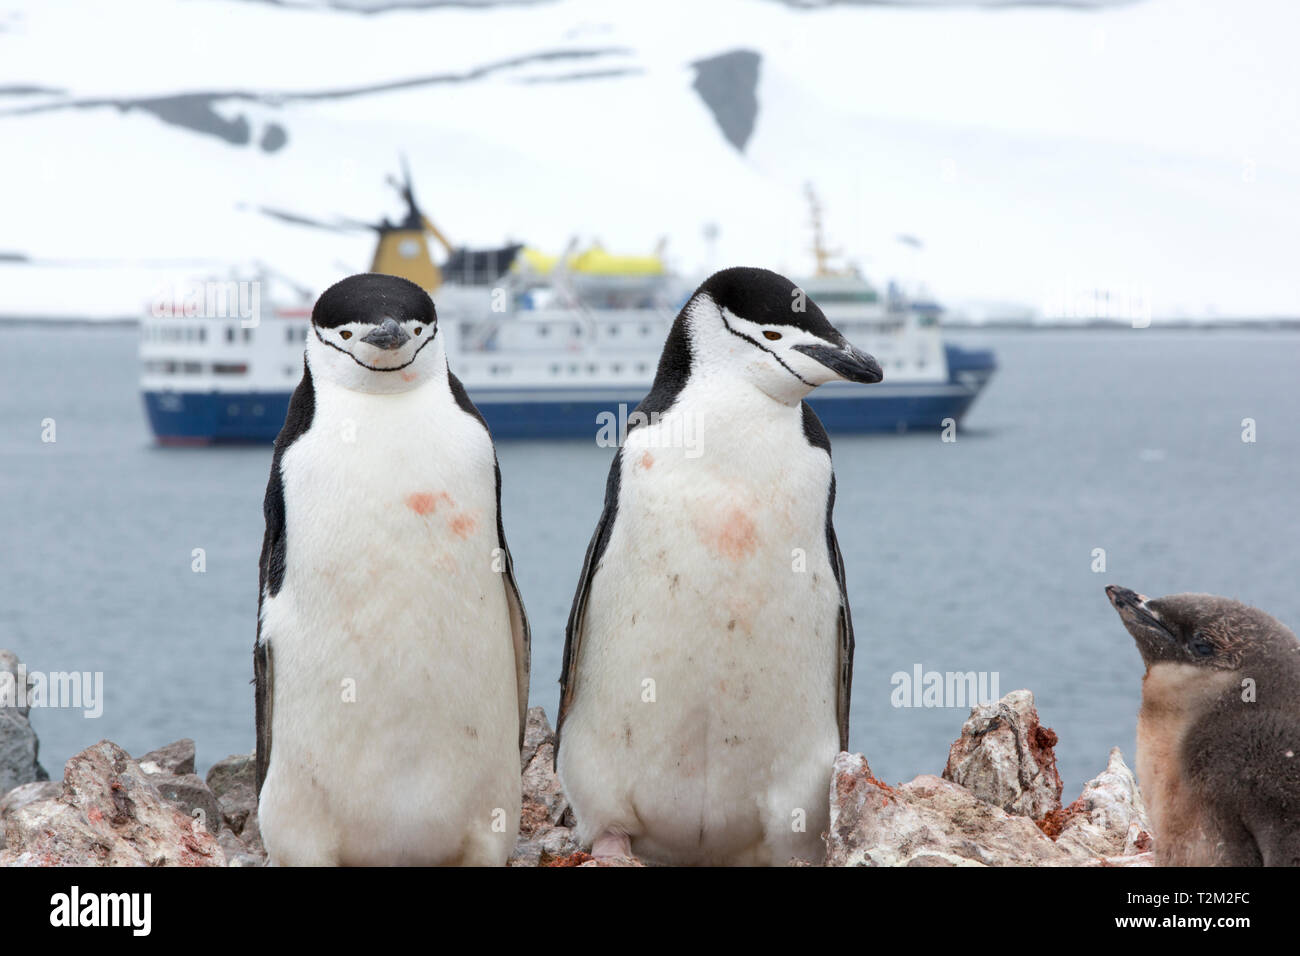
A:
(407, 376)
(462, 525)
(647, 461)
(732, 535)
(426, 502)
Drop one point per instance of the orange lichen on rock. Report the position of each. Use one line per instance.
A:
(1054, 821)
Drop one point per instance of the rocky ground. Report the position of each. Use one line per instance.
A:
(997, 803)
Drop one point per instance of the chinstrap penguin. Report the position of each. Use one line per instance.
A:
(709, 650)
(392, 653)
(1218, 753)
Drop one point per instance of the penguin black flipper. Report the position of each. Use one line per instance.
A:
(670, 378)
(519, 628)
(302, 409)
(815, 432)
(573, 630)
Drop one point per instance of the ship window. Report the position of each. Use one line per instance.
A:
(613, 330)
(248, 335)
(203, 334)
(616, 368)
(641, 368)
(192, 368)
(290, 334)
(543, 330)
(577, 330)
(593, 368)
(645, 330)
(229, 368)
(555, 369)
(289, 370)
(230, 333)
(573, 370)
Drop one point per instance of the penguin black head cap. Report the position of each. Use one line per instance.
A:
(768, 298)
(370, 298)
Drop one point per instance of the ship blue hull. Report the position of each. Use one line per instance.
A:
(220, 417)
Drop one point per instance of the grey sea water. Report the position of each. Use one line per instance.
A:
(974, 555)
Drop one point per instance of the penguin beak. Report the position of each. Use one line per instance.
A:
(846, 360)
(1140, 620)
(388, 336)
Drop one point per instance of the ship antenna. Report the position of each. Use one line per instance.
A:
(821, 255)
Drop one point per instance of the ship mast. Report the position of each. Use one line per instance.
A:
(821, 255)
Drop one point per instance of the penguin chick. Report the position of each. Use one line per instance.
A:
(1218, 754)
(709, 650)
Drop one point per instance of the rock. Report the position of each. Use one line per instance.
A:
(108, 813)
(1109, 818)
(545, 824)
(611, 861)
(26, 793)
(537, 731)
(1137, 859)
(176, 758)
(19, 745)
(928, 822)
(1005, 757)
(234, 781)
(238, 853)
(190, 794)
(20, 796)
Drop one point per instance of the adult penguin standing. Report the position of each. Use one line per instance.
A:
(392, 650)
(709, 651)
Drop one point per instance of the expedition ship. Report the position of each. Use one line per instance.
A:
(547, 346)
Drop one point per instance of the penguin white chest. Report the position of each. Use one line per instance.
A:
(705, 723)
(395, 713)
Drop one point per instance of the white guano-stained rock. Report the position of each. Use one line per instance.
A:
(1109, 818)
(108, 813)
(928, 822)
(1005, 757)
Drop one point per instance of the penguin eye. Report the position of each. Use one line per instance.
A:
(771, 336)
(417, 330)
(345, 334)
(1201, 647)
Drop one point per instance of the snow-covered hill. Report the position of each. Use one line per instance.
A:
(1151, 149)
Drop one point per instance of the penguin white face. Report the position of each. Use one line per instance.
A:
(759, 325)
(375, 333)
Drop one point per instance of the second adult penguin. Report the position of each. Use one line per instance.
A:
(709, 650)
(392, 649)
